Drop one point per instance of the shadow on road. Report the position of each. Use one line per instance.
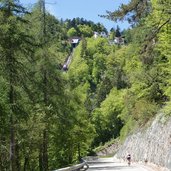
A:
(110, 167)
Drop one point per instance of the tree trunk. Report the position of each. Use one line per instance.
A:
(18, 164)
(10, 68)
(45, 151)
(79, 152)
(26, 162)
(12, 145)
(40, 158)
(11, 103)
(3, 152)
(45, 92)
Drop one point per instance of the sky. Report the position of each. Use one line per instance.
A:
(87, 9)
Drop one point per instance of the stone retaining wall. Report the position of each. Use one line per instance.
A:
(152, 144)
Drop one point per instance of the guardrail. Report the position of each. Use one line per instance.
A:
(82, 166)
(75, 167)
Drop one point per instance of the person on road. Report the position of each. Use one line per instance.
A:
(129, 159)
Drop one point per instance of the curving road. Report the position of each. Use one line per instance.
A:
(106, 164)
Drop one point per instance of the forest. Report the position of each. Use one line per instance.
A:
(49, 117)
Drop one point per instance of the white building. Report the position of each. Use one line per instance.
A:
(101, 34)
(96, 35)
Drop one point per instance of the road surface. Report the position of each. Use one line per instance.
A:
(110, 164)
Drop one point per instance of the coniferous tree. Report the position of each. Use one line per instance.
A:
(117, 34)
(134, 11)
(12, 45)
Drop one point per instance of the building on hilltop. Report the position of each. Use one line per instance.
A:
(101, 34)
(74, 41)
(119, 40)
(96, 34)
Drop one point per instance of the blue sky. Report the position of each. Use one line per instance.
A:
(87, 9)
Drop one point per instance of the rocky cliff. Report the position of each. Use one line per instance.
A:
(152, 144)
(110, 150)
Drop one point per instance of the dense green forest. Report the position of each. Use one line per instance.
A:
(50, 118)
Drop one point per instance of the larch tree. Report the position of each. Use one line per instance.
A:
(12, 40)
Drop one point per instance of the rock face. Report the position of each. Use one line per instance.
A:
(152, 144)
(110, 150)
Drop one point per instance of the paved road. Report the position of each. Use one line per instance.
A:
(114, 165)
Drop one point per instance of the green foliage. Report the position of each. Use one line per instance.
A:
(143, 110)
(142, 71)
(83, 26)
(134, 11)
(128, 128)
(112, 35)
(54, 117)
(44, 112)
(115, 68)
(86, 31)
(78, 72)
(72, 32)
(99, 67)
(137, 74)
(106, 119)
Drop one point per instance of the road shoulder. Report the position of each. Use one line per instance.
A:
(152, 167)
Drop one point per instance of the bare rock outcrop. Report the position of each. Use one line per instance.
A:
(110, 150)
